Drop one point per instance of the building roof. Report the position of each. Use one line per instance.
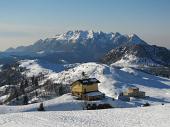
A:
(133, 87)
(88, 81)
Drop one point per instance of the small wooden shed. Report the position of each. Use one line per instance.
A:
(134, 92)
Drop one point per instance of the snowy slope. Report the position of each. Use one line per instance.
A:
(137, 55)
(156, 116)
(113, 80)
(35, 67)
(130, 60)
(63, 103)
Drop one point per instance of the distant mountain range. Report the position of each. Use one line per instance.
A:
(85, 46)
(73, 41)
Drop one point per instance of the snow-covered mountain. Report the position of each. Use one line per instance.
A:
(138, 55)
(76, 46)
(77, 40)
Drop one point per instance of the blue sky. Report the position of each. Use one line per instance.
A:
(22, 22)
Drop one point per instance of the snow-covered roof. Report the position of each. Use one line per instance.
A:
(89, 81)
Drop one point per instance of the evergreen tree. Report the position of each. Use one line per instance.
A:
(26, 83)
(36, 82)
(32, 80)
(36, 93)
(60, 90)
(25, 100)
(41, 107)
